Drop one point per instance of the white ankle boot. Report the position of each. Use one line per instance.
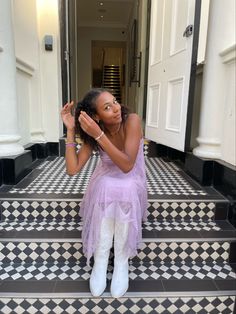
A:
(120, 277)
(98, 278)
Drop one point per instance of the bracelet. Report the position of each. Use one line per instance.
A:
(98, 138)
(71, 144)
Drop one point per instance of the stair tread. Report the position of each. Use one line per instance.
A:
(151, 229)
(164, 181)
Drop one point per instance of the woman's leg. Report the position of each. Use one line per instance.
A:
(120, 278)
(98, 277)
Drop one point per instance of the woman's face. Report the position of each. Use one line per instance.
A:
(108, 109)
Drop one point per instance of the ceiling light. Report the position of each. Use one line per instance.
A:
(100, 3)
(101, 16)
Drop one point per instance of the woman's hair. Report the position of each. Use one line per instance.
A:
(88, 104)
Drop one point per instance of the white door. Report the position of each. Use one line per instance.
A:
(170, 56)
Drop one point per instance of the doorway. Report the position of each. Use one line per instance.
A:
(97, 44)
(108, 67)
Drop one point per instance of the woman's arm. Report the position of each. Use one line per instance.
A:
(123, 159)
(74, 161)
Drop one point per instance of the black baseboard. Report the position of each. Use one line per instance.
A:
(15, 168)
(43, 150)
(199, 169)
(1, 174)
(169, 153)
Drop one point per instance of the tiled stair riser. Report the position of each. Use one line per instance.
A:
(163, 252)
(203, 305)
(36, 209)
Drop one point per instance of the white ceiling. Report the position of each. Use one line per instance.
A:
(116, 13)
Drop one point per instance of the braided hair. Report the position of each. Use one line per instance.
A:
(88, 104)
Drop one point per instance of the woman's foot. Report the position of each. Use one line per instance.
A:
(98, 278)
(120, 280)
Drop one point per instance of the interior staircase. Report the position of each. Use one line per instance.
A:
(186, 263)
(112, 80)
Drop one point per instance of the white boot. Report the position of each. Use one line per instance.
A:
(120, 277)
(98, 279)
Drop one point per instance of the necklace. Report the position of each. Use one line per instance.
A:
(115, 132)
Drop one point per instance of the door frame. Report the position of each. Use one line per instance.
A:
(191, 94)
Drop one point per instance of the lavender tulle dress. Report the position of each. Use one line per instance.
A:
(112, 193)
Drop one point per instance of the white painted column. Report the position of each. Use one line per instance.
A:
(220, 35)
(9, 136)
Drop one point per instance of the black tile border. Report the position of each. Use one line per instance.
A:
(199, 236)
(222, 284)
(135, 286)
(174, 285)
(35, 286)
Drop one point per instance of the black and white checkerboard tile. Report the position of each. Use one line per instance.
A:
(68, 209)
(72, 225)
(163, 178)
(141, 271)
(146, 305)
(181, 210)
(156, 252)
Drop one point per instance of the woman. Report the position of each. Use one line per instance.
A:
(116, 198)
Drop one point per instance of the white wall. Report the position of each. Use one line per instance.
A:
(38, 71)
(85, 37)
(27, 63)
(50, 69)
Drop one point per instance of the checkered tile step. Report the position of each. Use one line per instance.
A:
(66, 209)
(74, 225)
(163, 178)
(181, 210)
(168, 252)
(16, 209)
(142, 271)
(187, 305)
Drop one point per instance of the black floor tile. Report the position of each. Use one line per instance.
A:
(178, 234)
(145, 286)
(35, 234)
(225, 225)
(149, 234)
(72, 286)
(189, 285)
(72, 234)
(218, 234)
(9, 234)
(30, 287)
(226, 284)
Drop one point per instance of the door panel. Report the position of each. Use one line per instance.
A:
(169, 71)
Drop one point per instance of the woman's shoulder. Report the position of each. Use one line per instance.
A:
(132, 118)
(133, 124)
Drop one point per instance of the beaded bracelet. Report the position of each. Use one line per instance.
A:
(71, 144)
(98, 138)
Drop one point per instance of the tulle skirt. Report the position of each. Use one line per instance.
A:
(114, 194)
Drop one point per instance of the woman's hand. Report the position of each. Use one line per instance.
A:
(67, 117)
(89, 125)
